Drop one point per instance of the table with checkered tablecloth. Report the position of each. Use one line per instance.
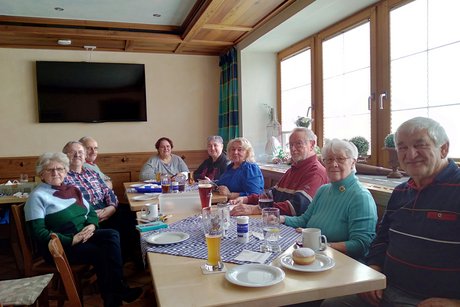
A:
(195, 246)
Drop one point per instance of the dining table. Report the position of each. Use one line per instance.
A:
(178, 279)
(136, 205)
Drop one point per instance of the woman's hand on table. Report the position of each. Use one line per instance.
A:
(243, 209)
(104, 214)
(84, 234)
(239, 200)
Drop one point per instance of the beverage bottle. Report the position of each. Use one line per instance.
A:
(242, 229)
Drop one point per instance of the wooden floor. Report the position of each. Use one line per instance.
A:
(134, 277)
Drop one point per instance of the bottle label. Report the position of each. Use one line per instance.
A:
(242, 229)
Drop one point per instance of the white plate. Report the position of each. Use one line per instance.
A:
(167, 237)
(322, 263)
(254, 275)
(144, 197)
(136, 185)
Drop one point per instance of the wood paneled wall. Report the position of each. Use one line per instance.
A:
(121, 167)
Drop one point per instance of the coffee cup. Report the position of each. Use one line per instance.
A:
(150, 212)
(312, 238)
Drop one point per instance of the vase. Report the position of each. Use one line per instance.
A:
(394, 163)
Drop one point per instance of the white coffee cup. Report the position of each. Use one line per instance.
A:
(150, 212)
(312, 238)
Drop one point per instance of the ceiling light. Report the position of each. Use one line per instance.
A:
(64, 42)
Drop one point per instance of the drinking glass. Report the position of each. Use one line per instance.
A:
(266, 199)
(224, 209)
(213, 228)
(205, 189)
(271, 229)
(165, 184)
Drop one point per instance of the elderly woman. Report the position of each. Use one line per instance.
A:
(243, 176)
(343, 209)
(54, 207)
(164, 162)
(215, 165)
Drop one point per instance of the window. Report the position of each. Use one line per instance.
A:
(405, 50)
(295, 90)
(424, 72)
(346, 84)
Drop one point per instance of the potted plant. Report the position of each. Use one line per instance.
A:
(362, 145)
(390, 147)
(303, 121)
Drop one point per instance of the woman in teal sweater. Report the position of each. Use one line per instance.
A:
(343, 209)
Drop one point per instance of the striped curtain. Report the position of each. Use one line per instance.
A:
(228, 97)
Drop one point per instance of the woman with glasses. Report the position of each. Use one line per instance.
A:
(54, 207)
(243, 176)
(343, 209)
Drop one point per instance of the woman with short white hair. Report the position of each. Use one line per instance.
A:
(343, 209)
(214, 166)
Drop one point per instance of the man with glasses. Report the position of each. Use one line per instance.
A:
(92, 148)
(418, 240)
(299, 184)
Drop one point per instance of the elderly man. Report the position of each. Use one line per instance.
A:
(299, 184)
(418, 241)
(103, 200)
(91, 155)
(216, 163)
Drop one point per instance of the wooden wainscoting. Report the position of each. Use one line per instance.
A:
(121, 167)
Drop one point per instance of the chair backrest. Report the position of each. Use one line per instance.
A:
(29, 252)
(62, 265)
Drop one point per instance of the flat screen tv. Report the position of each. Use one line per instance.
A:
(90, 92)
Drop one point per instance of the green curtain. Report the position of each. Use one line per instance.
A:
(228, 96)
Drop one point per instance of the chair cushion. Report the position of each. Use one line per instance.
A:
(23, 291)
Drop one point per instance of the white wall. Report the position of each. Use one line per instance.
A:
(258, 87)
(182, 103)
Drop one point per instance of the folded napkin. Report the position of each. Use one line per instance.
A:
(250, 256)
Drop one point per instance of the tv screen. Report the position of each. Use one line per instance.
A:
(90, 92)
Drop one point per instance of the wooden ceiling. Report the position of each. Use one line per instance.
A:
(211, 28)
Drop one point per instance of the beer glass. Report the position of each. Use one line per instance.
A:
(205, 189)
(266, 199)
(213, 228)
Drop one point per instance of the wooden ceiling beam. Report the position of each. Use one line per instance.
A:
(88, 23)
(223, 27)
(82, 33)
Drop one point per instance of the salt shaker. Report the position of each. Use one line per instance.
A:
(242, 229)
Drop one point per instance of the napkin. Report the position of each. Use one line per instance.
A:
(250, 256)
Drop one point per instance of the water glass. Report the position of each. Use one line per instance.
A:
(213, 229)
(165, 184)
(271, 229)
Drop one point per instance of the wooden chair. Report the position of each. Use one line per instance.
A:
(33, 264)
(62, 265)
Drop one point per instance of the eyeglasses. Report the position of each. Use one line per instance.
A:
(297, 144)
(339, 160)
(57, 169)
(74, 153)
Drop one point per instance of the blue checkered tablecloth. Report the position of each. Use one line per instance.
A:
(195, 246)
